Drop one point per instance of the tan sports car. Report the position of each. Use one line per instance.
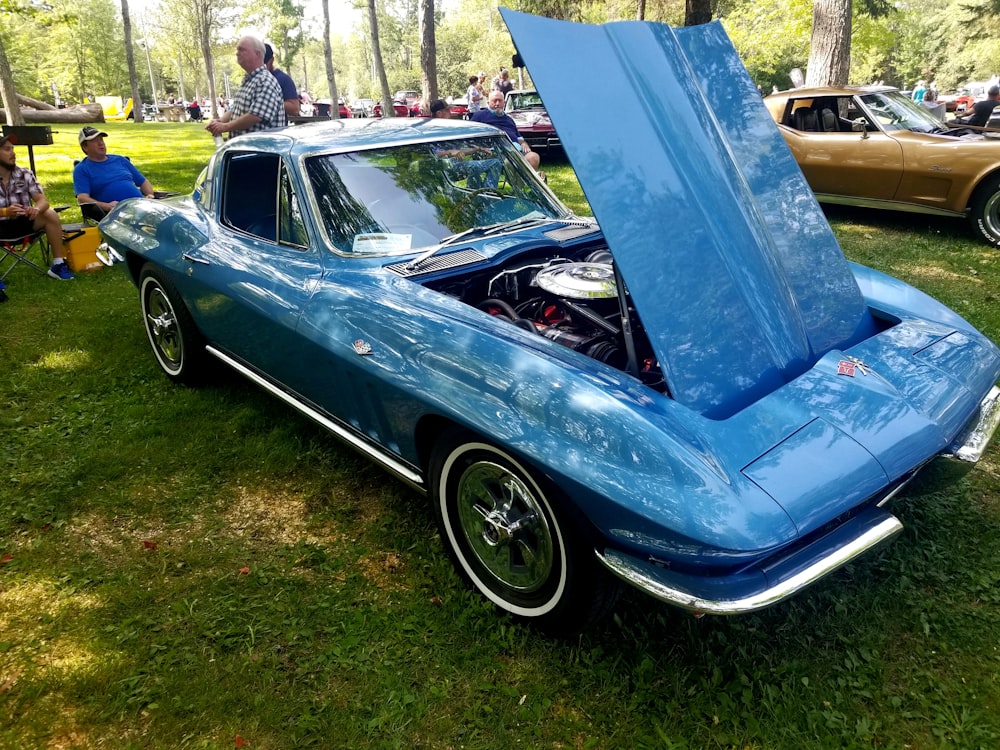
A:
(874, 147)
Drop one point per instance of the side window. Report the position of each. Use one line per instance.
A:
(250, 194)
(291, 227)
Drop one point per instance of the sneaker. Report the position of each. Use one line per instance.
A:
(3, 293)
(61, 271)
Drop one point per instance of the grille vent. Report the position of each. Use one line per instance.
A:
(438, 263)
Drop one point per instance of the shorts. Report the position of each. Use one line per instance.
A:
(17, 227)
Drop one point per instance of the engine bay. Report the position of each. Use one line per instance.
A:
(576, 300)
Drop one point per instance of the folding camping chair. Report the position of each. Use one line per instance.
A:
(16, 250)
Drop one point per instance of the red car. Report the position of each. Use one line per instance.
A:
(323, 108)
(399, 107)
(528, 112)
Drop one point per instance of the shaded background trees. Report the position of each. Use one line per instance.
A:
(190, 43)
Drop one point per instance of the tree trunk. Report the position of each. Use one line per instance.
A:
(640, 14)
(27, 101)
(203, 19)
(387, 109)
(7, 91)
(81, 113)
(428, 51)
(137, 112)
(331, 78)
(830, 46)
(697, 12)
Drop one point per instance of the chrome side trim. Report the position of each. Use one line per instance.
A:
(971, 444)
(390, 462)
(630, 571)
(913, 208)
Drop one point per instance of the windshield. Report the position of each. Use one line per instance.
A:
(524, 100)
(390, 201)
(893, 112)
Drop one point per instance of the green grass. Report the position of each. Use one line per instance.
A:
(192, 565)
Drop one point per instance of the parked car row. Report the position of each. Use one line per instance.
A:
(524, 106)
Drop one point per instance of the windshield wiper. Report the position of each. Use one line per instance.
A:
(486, 231)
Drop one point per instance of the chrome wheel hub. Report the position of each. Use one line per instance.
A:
(503, 521)
(163, 326)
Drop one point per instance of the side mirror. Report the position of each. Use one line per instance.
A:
(860, 125)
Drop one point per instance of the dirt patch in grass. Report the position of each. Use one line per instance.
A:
(383, 569)
(937, 272)
(275, 515)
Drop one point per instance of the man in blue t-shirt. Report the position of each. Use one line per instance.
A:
(289, 94)
(104, 179)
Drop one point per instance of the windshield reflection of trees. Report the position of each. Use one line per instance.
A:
(428, 190)
(896, 112)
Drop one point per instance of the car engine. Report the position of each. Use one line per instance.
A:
(574, 302)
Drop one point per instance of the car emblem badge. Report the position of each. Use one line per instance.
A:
(851, 366)
(362, 347)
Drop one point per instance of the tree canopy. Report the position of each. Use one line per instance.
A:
(75, 48)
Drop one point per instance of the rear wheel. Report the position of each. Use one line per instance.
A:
(514, 539)
(173, 336)
(984, 210)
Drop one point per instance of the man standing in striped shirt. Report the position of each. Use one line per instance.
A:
(258, 104)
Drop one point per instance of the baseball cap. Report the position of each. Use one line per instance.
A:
(88, 134)
(268, 53)
(4, 138)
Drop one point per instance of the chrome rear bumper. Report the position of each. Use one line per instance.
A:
(970, 445)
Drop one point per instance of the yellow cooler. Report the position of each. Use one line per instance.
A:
(80, 244)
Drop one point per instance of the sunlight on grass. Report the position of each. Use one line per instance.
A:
(937, 272)
(64, 360)
(275, 515)
(30, 608)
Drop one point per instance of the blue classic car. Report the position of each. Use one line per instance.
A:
(695, 393)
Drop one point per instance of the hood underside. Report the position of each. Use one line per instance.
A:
(732, 266)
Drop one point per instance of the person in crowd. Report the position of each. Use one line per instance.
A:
(918, 91)
(504, 84)
(258, 104)
(439, 108)
(496, 117)
(24, 210)
(103, 179)
(289, 93)
(982, 111)
(474, 95)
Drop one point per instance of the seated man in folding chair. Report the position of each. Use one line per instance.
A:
(24, 209)
(103, 179)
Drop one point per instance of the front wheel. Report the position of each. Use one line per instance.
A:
(173, 336)
(513, 540)
(984, 210)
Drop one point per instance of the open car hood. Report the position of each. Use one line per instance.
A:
(733, 268)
